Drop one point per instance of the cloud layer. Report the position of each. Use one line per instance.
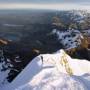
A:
(45, 1)
(45, 6)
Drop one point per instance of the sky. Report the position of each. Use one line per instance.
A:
(45, 4)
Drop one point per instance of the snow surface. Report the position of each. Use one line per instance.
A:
(48, 72)
(4, 71)
(78, 15)
(5, 68)
(69, 38)
(3, 75)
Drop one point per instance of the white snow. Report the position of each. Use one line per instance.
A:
(49, 72)
(4, 70)
(69, 38)
(78, 15)
(3, 75)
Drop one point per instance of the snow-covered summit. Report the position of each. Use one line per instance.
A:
(56, 71)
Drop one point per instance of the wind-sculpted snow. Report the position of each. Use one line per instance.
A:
(49, 72)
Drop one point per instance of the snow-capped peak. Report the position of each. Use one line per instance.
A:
(56, 71)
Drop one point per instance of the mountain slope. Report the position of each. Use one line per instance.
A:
(56, 71)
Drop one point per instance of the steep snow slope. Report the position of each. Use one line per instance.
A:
(56, 71)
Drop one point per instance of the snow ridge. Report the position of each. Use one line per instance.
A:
(48, 73)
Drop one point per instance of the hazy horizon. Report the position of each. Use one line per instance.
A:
(45, 4)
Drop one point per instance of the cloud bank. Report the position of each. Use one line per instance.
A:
(44, 6)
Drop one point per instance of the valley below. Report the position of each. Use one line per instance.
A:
(27, 34)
